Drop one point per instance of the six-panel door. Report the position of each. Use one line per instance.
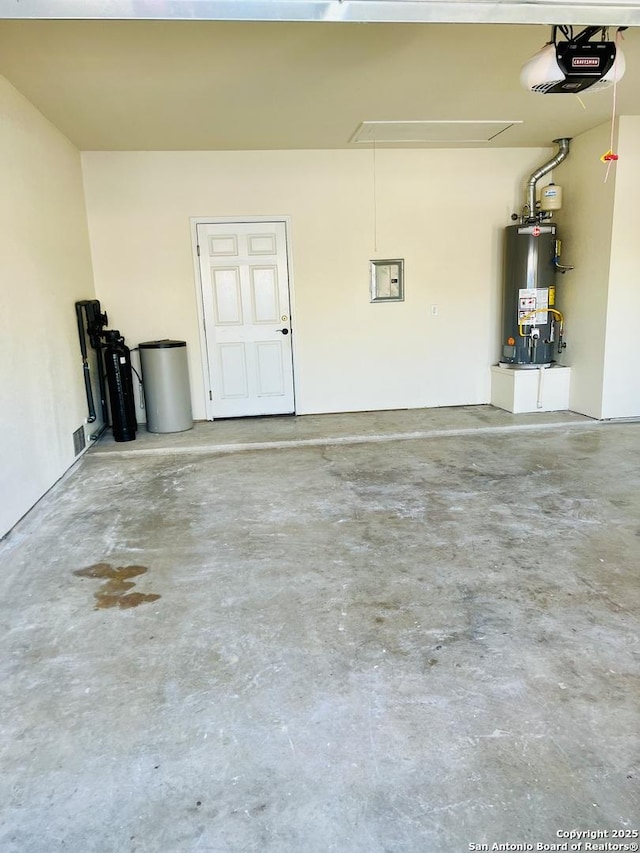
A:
(245, 293)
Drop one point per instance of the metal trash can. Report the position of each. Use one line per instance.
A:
(165, 376)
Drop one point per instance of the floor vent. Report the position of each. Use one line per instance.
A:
(79, 441)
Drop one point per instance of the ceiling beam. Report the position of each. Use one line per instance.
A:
(578, 12)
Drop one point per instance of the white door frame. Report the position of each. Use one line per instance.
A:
(231, 220)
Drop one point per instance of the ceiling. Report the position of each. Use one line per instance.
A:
(199, 85)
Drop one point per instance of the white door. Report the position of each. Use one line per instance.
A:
(247, 322)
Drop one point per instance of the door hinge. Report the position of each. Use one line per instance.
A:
(198, 248)
(210, 396)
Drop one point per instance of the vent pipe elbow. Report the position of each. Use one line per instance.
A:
(562, 154)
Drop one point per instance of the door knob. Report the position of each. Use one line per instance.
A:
(284, 331)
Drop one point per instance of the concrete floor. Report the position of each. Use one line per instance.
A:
(363, 642)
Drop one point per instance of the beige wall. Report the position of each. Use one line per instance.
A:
(44, 267)
(584, 225)
(443, 211)
(621, 379)
(601, 297)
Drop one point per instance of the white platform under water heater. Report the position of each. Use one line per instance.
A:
(543, 389)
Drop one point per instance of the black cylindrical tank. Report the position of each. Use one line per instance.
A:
(117, 362)
(529, 291)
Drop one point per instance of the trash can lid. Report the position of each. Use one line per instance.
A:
(166, 342)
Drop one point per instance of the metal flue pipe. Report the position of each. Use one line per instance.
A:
(562, 154)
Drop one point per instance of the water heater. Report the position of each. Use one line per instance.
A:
(529, 327)
(532, 325)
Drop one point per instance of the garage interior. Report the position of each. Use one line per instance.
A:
(401, 617)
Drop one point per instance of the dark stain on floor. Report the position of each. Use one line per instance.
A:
(114, 590)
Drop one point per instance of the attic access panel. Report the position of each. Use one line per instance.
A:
(424, 132)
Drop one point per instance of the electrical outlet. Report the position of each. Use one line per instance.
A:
(435, 310)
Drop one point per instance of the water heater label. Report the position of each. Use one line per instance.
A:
(532, 306)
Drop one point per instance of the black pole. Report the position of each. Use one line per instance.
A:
(80, 306)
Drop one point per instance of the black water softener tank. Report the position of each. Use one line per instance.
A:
(117, 362)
